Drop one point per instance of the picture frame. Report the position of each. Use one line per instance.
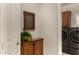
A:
(29, 20)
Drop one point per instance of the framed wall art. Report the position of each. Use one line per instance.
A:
(29, 20)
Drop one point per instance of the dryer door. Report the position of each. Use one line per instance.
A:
(74, 36)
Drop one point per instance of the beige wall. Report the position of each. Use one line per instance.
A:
(46, 22)
(46, 25)
(49, 27)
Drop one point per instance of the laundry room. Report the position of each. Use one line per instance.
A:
(70, 29)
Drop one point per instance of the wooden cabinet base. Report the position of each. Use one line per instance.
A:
(32, 48)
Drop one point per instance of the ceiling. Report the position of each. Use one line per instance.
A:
(64, 4)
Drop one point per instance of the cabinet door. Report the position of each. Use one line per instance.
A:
(66, 19)
(27, 48)
(38, 47)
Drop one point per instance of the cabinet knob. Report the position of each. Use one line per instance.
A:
(18, 43)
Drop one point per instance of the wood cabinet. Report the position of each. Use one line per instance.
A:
(27, 48)
(32, 48)
(66, 19)
(38, 47)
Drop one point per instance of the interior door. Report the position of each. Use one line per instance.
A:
(11, 28)
(0, 29)
(16, 16)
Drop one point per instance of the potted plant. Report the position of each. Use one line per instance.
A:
(26, 37)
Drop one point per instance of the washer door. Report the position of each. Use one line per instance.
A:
(64, 35)
(74, 36)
